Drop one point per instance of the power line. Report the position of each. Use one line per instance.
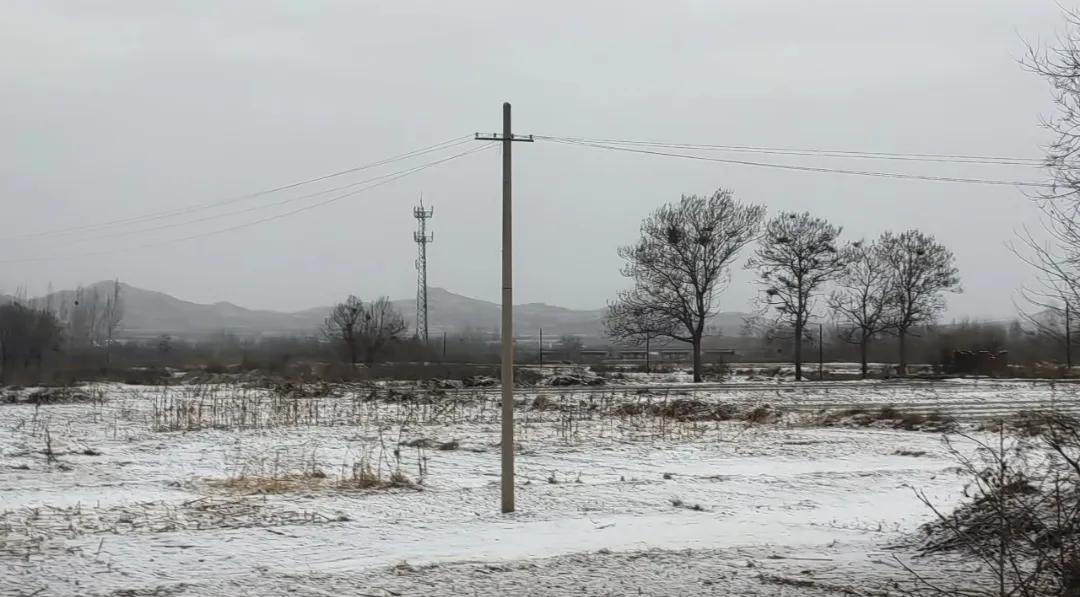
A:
(448, 144)
(262, 206)
(386, 180)
(880, 155)
(800, 168)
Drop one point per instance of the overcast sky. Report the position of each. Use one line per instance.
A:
(113, 110)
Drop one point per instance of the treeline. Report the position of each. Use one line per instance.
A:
(38, 347)
(807, 274)
(39, 337)
(1040, 351)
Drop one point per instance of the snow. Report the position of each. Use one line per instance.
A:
(606, 505)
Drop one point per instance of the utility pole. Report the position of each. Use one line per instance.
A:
(507, 450)
(422, 238)
(820, 353)
(1068, 340)
(541, 348)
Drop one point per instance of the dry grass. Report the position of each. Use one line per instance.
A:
(363, 476)
(251, 485)
(57, 395)
(887, 417)
(761, 414)
(293, 470)
(679, 503)
(358, 477)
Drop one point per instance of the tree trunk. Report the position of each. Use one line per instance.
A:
(647, 354)
(798, 351)
(902, 368)
(697, 359)
(862, 356)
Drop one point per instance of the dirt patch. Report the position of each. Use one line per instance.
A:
(479, 381)
(543, 402)
(761, 414)
(690, 409)
(573, 380)
(428, 444)
(301, 390)
(888, 417)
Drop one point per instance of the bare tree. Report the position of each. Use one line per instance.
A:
(1054, 252)
(571, 346)
(111, 317)
(796, 257)
(683, 260)
(920, 269)
(84, 323)
(636, 324)
(379, 324)
(861, 300)
(342, 326)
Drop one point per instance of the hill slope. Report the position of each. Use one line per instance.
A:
(148, 312)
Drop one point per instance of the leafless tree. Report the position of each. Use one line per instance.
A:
(682, 262)
(379, 324)
(796, 257)
(84, 317)
(112, 315)
(571, 346)
(920, 269)
(861, 299)
(1054, 251)
(636, 324)
(342, 326)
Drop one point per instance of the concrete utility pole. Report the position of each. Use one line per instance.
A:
(820, 352)
(507, 450)
(1068, 341)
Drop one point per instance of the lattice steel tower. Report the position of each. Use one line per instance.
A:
(422, 238)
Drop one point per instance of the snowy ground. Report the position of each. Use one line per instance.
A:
(154, 492)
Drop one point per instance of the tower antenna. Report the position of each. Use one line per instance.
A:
(422, 238)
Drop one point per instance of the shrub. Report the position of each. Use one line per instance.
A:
(1022, 518)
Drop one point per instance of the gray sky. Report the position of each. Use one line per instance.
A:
(118, 109)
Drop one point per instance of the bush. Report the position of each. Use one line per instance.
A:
(761, 414)
(1022, 519)
(717, 371)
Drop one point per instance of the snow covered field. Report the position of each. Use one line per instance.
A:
(219, 490)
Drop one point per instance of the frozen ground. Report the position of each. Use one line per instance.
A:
(157, 492)
(970, 399)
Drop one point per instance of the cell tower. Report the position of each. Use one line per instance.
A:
(422, 238)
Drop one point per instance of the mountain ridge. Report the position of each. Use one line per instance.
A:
(151, 312)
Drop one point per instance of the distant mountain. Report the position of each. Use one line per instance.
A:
(456, 313)
(149, 313)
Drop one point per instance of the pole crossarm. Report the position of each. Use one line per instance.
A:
(498, 137)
